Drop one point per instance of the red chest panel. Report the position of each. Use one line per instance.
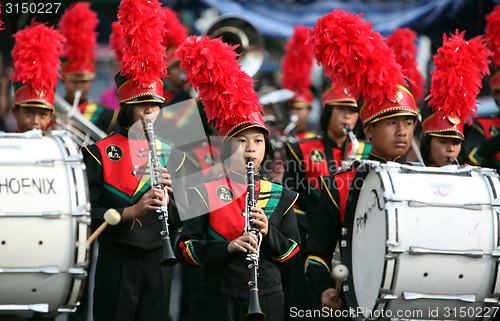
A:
(119, 156)
(226, 205)
(315, 162)
(491, 126)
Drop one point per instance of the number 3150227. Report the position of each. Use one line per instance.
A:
(37, 8)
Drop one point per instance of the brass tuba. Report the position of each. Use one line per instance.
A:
(69, 117)
(235, 30)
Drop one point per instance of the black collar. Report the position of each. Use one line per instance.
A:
(399, 159)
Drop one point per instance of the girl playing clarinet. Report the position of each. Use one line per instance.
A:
(217, 236)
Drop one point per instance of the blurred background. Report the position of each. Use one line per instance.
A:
(275, 20)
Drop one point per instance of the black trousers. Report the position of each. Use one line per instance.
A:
(130, 284)
(217, 307)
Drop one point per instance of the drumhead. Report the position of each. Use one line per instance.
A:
(44, 224)
(418, 240)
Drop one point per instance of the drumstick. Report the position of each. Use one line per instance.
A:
(111, 217)
(340, 273)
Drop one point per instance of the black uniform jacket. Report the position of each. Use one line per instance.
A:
(327, 223)
(218, 206)
(114, 183)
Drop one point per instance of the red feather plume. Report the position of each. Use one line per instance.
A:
(78, 25)
(226, 91)
(402, 41)
(175, 32)
(456, 81)
(116, 40)
(144, 58)
(492, 33)
(355, 56)
(298, 61)
(1, 22)
(36, 54)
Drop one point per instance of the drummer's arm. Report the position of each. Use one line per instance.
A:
(323, 237)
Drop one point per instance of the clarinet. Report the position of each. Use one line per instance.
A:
(351, 157)
(168, 257)
(254, 311)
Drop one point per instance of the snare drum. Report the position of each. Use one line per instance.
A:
(44, 223)
(422, 243)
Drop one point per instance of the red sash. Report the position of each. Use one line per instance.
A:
(343, 182)
(226, 204)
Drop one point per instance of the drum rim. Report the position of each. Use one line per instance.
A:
(346, 238)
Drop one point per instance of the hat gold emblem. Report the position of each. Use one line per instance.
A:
(398, 96)
(346, 91)
(454, 119)
(149, 86)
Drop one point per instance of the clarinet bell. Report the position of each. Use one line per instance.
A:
(254, 311)
(168, 257)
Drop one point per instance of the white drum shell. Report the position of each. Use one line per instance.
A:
(402, 208)
(44, 223)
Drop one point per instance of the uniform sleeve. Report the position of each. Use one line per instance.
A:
(195, 246)
(282, 242)
(323, 237)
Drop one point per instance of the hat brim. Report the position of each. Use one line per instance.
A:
(144, 99)
(447, 134)
(393, 114)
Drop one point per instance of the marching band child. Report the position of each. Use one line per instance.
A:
(215, 237)
(452, 99)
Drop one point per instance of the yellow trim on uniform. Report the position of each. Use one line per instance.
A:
(93, 156)
(188, 252)
(295, 200)
(183, 159)
(317, 259)
(113, 122)
(473, 159)
(197, 191)
(293, 153)
(479, 129)
(329, 194)
(195, 162)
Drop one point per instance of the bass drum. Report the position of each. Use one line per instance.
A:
(422, 243)
(44, 223)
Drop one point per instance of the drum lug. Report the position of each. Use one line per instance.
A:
(491, 301)
(67, 309)
(496, 253)
(386, 297)
(394, 250)
(391, 197)
(77, 273)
